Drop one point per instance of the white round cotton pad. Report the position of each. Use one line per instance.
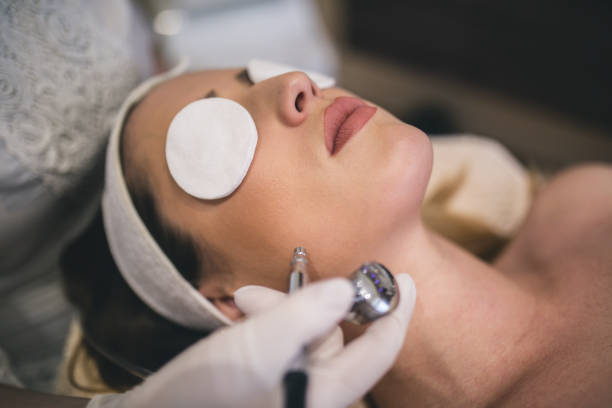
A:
(259, 70)
(210, 147)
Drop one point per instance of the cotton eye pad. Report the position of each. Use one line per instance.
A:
(259, 70)
(210, 147)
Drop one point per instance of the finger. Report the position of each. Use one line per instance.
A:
(255, 299)
(327, 346)
(279, 334)
(381, 343)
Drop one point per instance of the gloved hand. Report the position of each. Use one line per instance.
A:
(338, 382)
(243, 365)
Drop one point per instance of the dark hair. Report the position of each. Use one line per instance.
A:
(113, 315)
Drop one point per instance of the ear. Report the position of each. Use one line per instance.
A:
(221, 299)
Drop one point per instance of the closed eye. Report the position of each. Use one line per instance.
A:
(211, 94)
(243, 77)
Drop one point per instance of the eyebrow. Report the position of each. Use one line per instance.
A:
(241, 76)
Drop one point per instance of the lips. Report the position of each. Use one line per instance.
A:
(343, 119)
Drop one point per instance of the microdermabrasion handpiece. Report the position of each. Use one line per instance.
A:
(376, 293)
(295, 380)
(299, 269)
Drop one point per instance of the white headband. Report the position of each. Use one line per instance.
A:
(144, 266)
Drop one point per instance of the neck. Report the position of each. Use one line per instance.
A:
(467, 334)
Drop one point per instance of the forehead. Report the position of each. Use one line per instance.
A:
(155, 112)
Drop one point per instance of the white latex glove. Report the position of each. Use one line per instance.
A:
(253, 300)
(337, 376)
(243, 365)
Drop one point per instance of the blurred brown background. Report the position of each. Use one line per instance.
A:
(533, 74)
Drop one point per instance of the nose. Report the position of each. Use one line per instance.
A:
(296, 93)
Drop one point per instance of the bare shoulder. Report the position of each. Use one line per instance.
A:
(581, 193)
(570, 221)
(577, 202)
(563, 253)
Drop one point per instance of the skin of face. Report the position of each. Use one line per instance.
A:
(341, 207)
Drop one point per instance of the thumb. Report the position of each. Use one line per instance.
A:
(280, 333)
(253, 299)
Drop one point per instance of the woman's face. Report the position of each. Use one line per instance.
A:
(341, 207)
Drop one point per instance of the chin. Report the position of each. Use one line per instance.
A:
(408, 170)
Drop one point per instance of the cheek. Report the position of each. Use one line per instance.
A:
(387, 172)
(256, 219)
(337, 212)
(278, 208)
(378, 197)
